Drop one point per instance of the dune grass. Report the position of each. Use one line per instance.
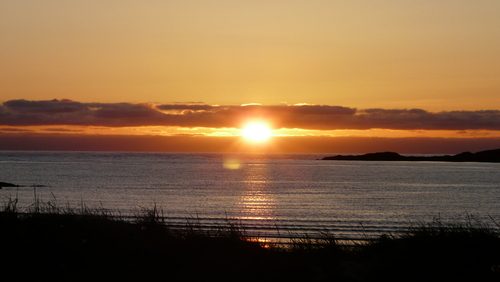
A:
(85, 244)
(459, 251)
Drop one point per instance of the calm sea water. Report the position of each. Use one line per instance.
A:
(293, 190)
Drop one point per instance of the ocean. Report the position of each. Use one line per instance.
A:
(298, 193)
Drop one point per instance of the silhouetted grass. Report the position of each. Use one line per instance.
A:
(90, 244)
(460, 251)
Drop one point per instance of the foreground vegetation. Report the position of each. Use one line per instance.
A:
(48, 243)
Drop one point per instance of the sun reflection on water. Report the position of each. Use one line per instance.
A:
(256, 205)
(256, 201)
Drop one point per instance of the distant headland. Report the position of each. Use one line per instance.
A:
(482, 156)
(6, 184)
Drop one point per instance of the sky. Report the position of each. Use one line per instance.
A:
(325, 76)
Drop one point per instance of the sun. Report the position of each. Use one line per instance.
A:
(257, 132)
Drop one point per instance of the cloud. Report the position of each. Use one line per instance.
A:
(10, 129)
(303, 116)
(63, 130)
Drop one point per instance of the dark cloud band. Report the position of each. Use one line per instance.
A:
(320, 117)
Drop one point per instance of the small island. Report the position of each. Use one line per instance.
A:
(482, 156)
(6, 184)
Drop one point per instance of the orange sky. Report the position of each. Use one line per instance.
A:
(387, 69)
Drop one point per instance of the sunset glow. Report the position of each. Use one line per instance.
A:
(257, 132)
(192, 70)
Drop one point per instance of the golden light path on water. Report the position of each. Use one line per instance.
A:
(257, 204)
(256, 201)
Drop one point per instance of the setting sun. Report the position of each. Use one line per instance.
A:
(257, 132)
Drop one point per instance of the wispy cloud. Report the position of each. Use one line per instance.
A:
(303, 116)
(8, 129)
(63, 130)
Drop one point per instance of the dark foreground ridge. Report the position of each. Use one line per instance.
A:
(51, 243)
(69, 246)
(483, 156)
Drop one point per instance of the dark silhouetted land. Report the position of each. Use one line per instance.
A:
(6, 184)
(53, 244)
(483, 156)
